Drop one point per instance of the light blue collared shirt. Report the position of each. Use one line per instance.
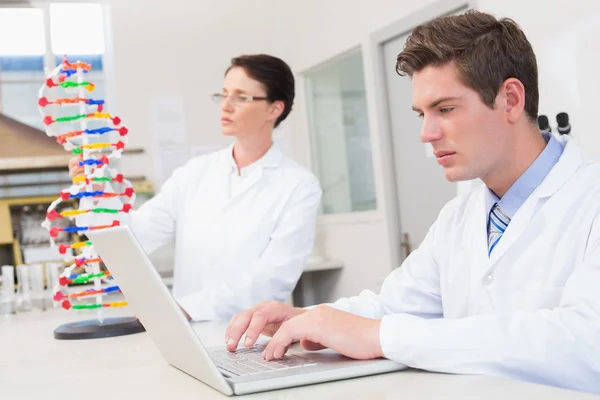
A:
(529, 181)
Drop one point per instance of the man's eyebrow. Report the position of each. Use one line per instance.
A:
(437, 102)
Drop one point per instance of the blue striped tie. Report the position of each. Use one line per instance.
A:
(497, 224)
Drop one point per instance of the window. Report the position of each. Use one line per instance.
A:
(22, 48)
(339, 131)
(27, 54)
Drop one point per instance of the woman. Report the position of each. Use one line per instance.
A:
(243, 218)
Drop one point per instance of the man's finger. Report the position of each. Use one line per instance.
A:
(236, 329)
(259, 320)
(273, 313)
(289, 332)
(238, 326)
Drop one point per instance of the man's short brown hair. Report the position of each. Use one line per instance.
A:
(487, 51)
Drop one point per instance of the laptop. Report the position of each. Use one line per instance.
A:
(241, 372)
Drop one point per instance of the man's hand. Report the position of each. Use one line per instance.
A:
(325, 327)
(264, 318)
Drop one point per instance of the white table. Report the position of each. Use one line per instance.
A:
(35, 366)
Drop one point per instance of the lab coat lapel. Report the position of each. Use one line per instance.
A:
(252, 180)
(220, 185)
(564, 169)
(270, 160)
(515, 228)
(476, 233)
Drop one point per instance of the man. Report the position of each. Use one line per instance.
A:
(506, 281)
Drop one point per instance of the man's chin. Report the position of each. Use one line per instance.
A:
(455, 175)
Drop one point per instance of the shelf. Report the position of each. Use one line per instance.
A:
(323, 265)
(52, 162)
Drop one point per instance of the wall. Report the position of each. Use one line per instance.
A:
(361, 241)
(564, 37)
(183, 46)
(180, 47)
(563, 34)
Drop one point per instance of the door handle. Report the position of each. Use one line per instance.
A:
(405, 245)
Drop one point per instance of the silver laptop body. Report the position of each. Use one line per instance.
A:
(241, 372)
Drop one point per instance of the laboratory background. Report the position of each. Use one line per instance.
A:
(154, 64)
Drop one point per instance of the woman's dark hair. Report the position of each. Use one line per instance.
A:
(274, 74)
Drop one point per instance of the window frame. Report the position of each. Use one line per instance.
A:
(315, 151)
(50, 58)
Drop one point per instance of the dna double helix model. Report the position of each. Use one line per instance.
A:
(80, 124)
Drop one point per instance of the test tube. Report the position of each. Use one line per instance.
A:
(37, 286)
(24, 293)
(7, 290)
(52, 275)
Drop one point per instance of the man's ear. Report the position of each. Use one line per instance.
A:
(513, 93)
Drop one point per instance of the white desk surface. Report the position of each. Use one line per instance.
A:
(33, 365)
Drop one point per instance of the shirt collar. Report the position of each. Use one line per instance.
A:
(529, 180)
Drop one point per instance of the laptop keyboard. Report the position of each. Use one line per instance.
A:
(249, 361)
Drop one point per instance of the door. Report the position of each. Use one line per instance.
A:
(421, 189)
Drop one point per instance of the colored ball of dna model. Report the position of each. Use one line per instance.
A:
(81, 126)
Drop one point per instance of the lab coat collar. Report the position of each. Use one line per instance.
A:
(570, 160)
(271, 159)
(567, 165)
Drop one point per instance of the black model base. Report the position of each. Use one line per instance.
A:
(94, 329)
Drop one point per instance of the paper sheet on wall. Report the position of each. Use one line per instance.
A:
(168, 119)
(168, 128)
(171, 156)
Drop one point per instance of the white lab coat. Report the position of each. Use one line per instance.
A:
(530, 311)
(232, 252)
